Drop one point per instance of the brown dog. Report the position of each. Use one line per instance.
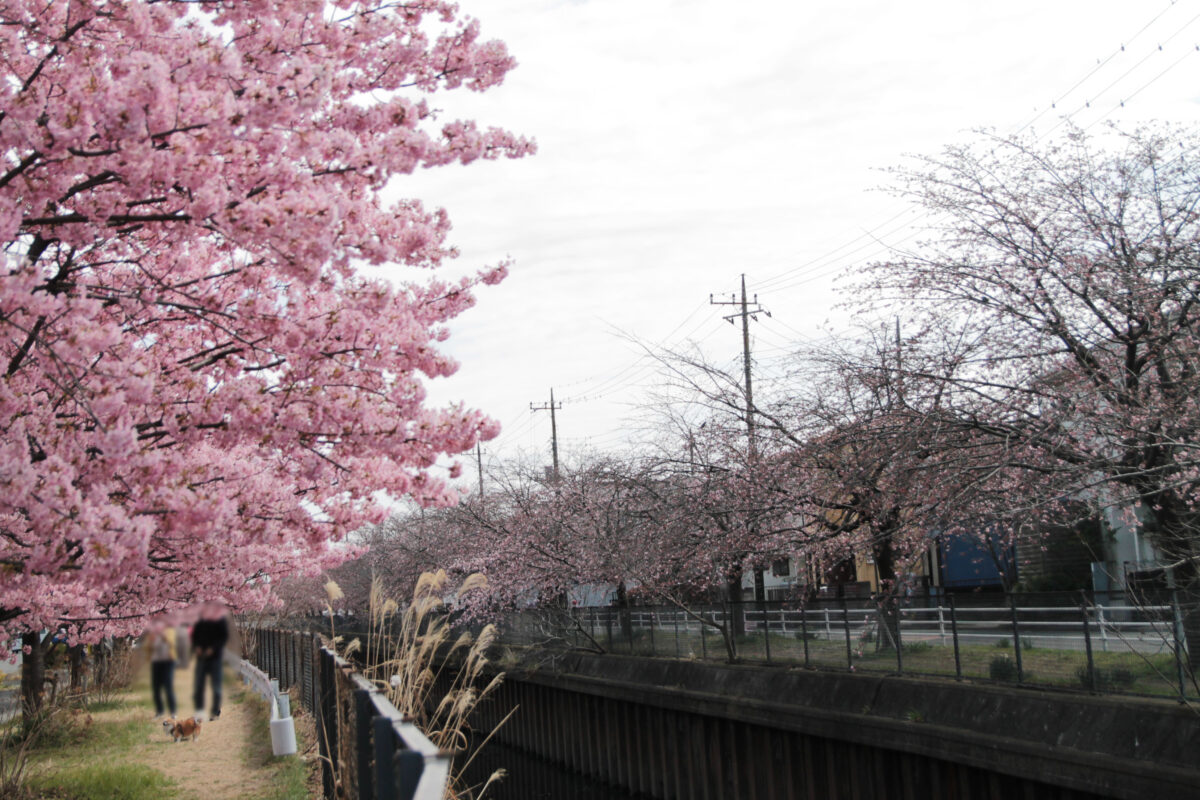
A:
(182, 728)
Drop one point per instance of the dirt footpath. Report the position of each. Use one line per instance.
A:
(219, 765)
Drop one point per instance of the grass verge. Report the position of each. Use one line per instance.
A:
(291, 777)
(101, 753)
(79, 757)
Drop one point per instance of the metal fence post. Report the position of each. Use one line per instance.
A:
(675, 622)
(1012, 604)
(941, 622)
(305, 645)
(653, 652)
(899, 645)
(1087, 643)
(408, 766)
(326, 730)
(804, 632)
(954, 633)
(1103, 632)
(728, 609)
(289, 664)
(846, 625)
(385, 747)
(362, 742)
(766, 629)
(1177, 629)
(703, 637)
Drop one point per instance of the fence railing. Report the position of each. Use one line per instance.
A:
(1037, 640)
(367, 749)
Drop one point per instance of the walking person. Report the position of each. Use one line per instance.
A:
(209, 636)
(164, 655)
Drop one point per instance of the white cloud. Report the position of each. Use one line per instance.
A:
(683, 142)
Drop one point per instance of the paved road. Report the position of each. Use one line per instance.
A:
(9, 689)
(9, 704)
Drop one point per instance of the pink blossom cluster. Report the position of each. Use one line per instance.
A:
(200, 393)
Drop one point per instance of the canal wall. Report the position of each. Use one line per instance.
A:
(685, 729)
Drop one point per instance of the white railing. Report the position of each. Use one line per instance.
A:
(1146, 629)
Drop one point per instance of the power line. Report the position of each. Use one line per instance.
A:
(1100, 64)
(802, 273)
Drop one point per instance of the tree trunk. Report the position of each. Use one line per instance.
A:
(624, 619)
(886, 600)
(733, 592)
(78, 659)
(33, 674)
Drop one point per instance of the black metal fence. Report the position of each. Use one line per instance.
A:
(1053, 641)
(366, 747)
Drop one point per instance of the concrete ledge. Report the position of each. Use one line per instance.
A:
(1112, 746)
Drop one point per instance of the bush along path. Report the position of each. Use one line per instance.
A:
(120, 750)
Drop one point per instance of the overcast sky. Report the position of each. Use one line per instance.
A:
(685, 142)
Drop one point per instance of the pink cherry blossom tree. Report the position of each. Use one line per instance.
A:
(857, 458)
(630, 525)
(201, 392)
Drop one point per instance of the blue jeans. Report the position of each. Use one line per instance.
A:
(162, 684)
(210, 666)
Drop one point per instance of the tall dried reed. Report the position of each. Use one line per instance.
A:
(407, 652)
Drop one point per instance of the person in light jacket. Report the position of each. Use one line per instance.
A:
(164, 645)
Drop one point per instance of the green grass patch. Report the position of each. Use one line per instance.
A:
(117, 704)
(1150, 673)
(288, 774)
(103, 780)
(1117, 672)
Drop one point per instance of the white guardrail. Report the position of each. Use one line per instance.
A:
(283, 727)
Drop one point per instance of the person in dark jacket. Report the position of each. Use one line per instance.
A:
(209, 636)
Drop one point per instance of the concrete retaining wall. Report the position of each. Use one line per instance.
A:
(678, 728)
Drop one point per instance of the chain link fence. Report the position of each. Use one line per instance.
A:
(1061, 641)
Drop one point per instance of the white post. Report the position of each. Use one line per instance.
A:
(283, 736)
(1103, 632)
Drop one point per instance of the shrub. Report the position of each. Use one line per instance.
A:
(51, 726)
(1107, 680)
(1002, 668)
(1122, 677)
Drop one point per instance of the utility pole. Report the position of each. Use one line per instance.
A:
(553, 427)
(899, 364)
(479, 463)
(746, 313)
